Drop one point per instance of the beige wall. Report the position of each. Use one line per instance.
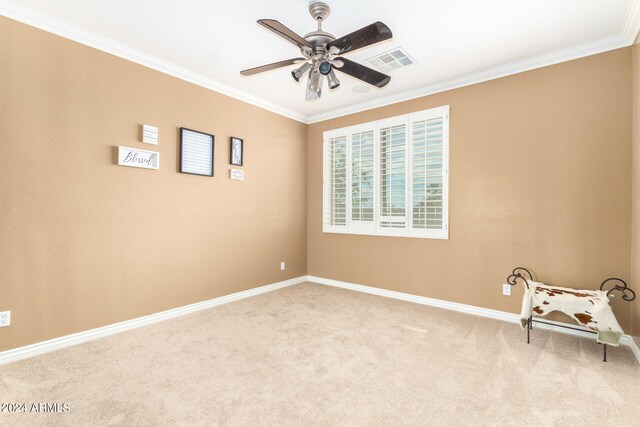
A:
(540, 176)
(84, 242)
(635, 251)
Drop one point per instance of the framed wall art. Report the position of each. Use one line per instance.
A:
(196, 152)
(237, 151)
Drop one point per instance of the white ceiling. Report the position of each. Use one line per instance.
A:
(454, 42)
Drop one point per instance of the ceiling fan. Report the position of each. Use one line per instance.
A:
(322, 53)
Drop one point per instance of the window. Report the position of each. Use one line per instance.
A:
(389, 177)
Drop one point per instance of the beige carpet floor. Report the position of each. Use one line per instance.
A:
(315, 355)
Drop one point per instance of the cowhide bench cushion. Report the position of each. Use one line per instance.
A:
(589, 308)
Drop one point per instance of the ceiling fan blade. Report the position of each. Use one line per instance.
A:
(363, 73)
(284, 32)
(272, 66)
(363, 37)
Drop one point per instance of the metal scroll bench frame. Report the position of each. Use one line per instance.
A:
(521, 273)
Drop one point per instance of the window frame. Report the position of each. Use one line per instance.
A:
(373, 228)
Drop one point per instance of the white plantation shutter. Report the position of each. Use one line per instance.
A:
(393, 176)
(389, 177)
(362, 177)
(335, 209)
(427, 174)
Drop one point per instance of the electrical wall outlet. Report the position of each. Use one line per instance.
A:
(281, 265)
(506, 290)
(5, 318)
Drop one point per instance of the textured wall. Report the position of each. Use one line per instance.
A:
(540, 176)
(635, 249)
(84, 242)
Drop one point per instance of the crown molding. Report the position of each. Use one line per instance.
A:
(83, 36)
(629, 31)
(628, 34)
(563, 55)
(631, 25)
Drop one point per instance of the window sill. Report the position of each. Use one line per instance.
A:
(413, 234)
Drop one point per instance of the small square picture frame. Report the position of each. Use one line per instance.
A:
(236, 151)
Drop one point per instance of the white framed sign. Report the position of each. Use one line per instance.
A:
(136, 158)
(236, 174)
(150, 134)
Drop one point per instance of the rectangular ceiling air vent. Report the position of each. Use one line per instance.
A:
(390, 60)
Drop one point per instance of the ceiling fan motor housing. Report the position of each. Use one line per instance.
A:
(319, 10)
(318, 39)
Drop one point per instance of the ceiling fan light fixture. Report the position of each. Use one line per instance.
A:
(314, 86)
(299, 72)
(332, 79)
(325, 68)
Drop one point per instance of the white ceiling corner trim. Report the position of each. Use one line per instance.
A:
(628, 33)
(614, 38)
(83, 36)
(631, 26)
(568, 54)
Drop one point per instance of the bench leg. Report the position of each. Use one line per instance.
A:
(605, 353)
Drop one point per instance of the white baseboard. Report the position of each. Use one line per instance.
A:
(93, 334)
(25, 352)
(633, 346)
(469, 309)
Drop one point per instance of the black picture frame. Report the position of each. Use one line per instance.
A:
(183, 146)
(233, 161)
